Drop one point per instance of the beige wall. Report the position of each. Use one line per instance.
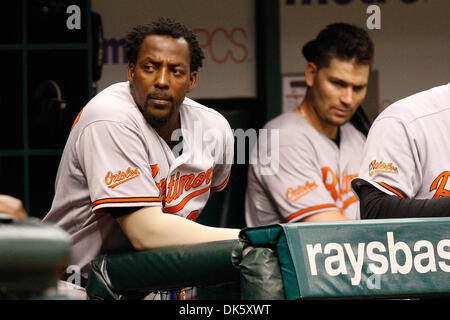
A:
(412, 48)
(225, 29)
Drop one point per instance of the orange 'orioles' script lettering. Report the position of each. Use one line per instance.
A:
(177, 184)
(331, 186)
(439, 185)
(113, 180)
(155, 169)
(345, 182)
(330, 180)
(381, 166)
(295, 194)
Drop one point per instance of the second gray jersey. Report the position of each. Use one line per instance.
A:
(408, 147)
(314, 174)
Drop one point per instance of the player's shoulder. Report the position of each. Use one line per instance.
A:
(114, 103)
(290, 125)
(420, 105)
(292, 132)
(116, 96)
(285, 119)
(195, 111)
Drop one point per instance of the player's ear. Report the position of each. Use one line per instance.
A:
(193, 77)
(310, 73)
(130, 72)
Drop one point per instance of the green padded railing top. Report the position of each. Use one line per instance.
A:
(134, 274)
(369, 258)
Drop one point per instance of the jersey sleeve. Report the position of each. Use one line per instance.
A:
(297, 187)
(390, 159)
(222, 167)
(114, 159)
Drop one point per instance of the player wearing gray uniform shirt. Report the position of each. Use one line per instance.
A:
(119, 184)
(319, 150)
(114, 158)
(406, 160)
(314, 174)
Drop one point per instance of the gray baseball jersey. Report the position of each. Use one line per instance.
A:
(408, 147)
(314, 174)
(114, 158)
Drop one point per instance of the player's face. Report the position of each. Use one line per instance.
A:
(337, 90)
(161, 78)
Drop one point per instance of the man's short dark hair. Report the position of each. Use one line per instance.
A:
(167, 27)
(342, 41)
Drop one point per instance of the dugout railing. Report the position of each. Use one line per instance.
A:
(370, 259)
(331, 260)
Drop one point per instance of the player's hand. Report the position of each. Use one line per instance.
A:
(12, 206)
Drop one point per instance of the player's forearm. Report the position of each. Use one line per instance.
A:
(175, 230)
(325, 216)
(147, 229)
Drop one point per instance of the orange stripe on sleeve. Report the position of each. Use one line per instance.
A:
(125, 200)
(223, 184)
(322, 206)
(386, 186)
(183, 202)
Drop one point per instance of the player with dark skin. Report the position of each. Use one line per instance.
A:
(160, 79)
(117, 183)
(159, 82)
(163, 67)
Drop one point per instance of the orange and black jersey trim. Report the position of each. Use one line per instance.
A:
(118, 212)
(223, 184)
(128, 200)
(183, 202)
(392, 189)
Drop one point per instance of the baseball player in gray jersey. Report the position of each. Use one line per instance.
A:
(119, 184)
(405, 166)
(319, 150)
